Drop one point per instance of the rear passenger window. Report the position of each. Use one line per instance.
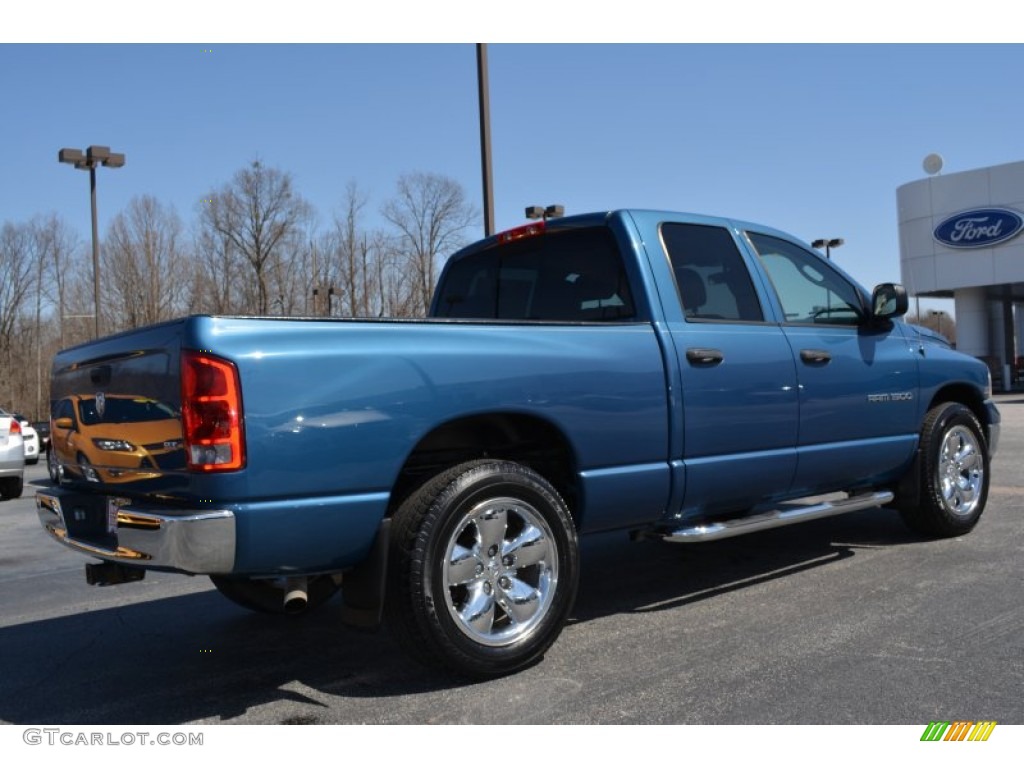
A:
(711, 277)
(574, 275)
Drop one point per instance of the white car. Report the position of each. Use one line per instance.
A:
(12, 457)
(31, 438)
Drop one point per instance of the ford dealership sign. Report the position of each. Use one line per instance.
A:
(979, 228)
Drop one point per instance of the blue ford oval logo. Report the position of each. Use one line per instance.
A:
(979, 228)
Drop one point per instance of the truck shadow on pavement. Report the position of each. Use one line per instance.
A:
(197, 657)
(666, 576)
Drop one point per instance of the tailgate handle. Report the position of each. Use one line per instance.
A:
(819, 356)
(704, 356)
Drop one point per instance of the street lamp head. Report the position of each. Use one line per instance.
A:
(94, 156)
(540, 212)
(71, 156)
(97, 154)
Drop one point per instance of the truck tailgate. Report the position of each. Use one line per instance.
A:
(116, 406)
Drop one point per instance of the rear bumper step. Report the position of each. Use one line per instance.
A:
(787, 514)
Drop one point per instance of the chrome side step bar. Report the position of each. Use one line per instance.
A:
(787, 514)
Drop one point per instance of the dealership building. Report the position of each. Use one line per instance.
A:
(962, 237)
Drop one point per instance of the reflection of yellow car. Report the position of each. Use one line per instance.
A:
(115, 438)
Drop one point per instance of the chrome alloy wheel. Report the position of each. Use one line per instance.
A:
(500, 571)
(961, 471)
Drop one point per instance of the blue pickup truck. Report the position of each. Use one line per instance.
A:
(676, 376)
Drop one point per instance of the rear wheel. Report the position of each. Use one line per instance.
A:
(268, 595)
(484, 568)
(953, 473)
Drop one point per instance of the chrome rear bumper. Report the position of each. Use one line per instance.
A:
(190, 541)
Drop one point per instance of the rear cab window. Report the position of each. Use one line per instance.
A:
(712, 280)
(571, 275)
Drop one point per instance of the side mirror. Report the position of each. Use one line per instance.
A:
(889, 300)
(64, 422)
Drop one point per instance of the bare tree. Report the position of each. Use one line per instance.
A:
(145, 267)
(17, 277)
(940, 322)
(431, 214)
(261, 217)
(40, 236)
(352, 254)
(356, 256)
(52, 244)
(219, 270)
(59, 269)
(375, 251)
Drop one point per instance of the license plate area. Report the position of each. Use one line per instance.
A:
(86, 517)
(92, 518)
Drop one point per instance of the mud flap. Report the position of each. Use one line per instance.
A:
(908, 490)
(362, 591)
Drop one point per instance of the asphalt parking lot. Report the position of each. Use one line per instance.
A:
(849, 620)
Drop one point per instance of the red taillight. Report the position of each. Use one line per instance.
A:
(15, 427)
(527, 230)
(211, 413)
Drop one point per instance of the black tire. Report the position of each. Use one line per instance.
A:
(33, 460)
(484, 566)
(11, 487)
(267, 595)
(952, 473)
(53, 466)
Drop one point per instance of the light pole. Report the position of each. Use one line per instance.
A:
(93, 156)
(937, 314)
(483, 89)
(828, 244)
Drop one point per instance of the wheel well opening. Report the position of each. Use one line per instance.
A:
(523, 439)
(968, 396)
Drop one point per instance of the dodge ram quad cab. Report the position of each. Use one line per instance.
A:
(675, 376)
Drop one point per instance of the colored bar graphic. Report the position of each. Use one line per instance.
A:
(982, 730)
(958, 730)
(934, 731)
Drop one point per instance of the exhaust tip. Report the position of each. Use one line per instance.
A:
(295, 597)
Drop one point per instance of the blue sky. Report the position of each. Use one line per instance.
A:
(812, 139)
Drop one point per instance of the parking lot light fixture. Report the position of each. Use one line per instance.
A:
(93, 156)
(828, 244)
(542, 212)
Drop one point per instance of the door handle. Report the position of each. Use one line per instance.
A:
(815, 356)
(704, 356)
